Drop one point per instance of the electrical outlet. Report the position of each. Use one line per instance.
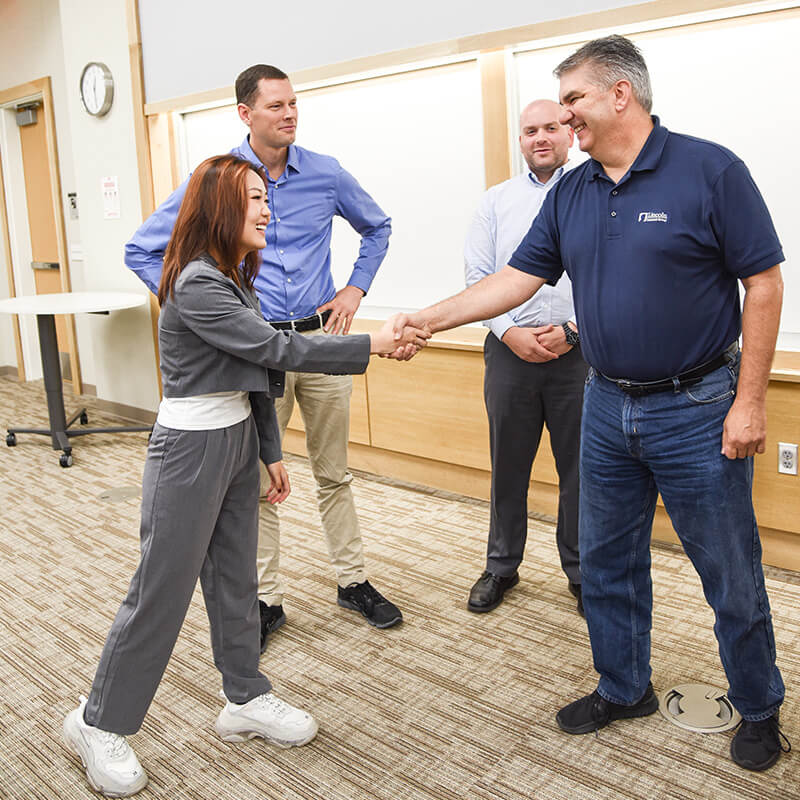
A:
(787, 458)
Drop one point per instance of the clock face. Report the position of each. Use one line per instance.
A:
(97, 88)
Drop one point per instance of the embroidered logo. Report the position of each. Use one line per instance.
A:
(653, 216)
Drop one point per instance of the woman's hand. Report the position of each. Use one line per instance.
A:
(403, 347)
(279, 483)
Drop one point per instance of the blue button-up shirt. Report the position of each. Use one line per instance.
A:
(654, 259)
(295, 276)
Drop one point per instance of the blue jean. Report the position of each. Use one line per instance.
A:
(632, 448)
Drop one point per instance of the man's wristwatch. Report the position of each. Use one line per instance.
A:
(573, 337)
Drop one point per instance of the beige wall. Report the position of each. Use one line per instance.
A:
(122, 344)
(50, 38)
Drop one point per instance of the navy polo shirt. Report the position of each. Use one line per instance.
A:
(654, 259)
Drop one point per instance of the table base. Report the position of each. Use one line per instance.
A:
(59, 430)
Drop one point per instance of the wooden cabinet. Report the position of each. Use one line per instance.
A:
(424, 422)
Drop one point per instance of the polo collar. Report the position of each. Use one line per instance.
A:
(648, 158)
(292, 161)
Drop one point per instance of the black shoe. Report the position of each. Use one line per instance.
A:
(488, 591)
(272, 617)
(593, 712)
(363, 597)
(577, 593)
(758, 745)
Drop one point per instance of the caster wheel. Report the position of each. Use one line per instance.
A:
(84, 418)
(11, 439)
(65, 460)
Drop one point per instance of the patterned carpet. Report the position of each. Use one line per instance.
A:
(448, 706)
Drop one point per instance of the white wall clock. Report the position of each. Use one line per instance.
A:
(97, 88)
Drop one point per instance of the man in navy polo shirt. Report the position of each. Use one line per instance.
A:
(656, 230)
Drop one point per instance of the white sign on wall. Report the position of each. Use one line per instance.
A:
(110, 188)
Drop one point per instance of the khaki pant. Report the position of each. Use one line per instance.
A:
(324, 402)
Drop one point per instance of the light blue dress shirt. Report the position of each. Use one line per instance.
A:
(504, 216)
(295, 276)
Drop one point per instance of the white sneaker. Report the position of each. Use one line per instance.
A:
(266, 716)
(111, 765)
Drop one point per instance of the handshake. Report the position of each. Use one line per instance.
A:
(401, 337)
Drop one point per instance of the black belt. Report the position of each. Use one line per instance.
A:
(311, 323)
(688, 378)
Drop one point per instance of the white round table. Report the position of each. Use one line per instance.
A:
(46, 307)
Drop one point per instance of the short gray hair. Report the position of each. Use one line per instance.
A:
(614, 58)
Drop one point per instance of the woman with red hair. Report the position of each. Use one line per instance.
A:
(221, 365)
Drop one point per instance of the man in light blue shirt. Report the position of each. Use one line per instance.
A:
(534, 368)
(296, 291)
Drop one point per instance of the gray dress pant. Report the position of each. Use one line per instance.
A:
(521, 397)
(199, 518)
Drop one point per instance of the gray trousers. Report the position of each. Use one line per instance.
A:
(520, 398)
(199, 518)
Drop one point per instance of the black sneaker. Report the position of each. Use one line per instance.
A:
(758, 745)
(576, 591)
(272, 617)
(487, 592)
(593, 712)
(363, 597)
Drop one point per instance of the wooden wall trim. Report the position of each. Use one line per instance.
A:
(139, 121)
(141, 137)
(496, 127)
(12, 288)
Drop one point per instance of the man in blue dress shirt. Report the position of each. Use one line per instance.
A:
(296, 290)
(657, 230)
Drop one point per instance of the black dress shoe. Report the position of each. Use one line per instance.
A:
(576, 591)
(593, 712)
(272, 617)
(488, 591)
(758, 745)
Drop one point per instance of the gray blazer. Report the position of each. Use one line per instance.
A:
(213, 338)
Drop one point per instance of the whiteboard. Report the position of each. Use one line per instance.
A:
(727, 82)
(414, 141)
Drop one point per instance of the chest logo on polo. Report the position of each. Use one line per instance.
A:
(653, 216)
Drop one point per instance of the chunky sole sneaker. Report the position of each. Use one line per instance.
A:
(593, 712)
(268, 717)
(111, 765)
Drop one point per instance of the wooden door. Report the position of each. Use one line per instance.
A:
(42, 226)
(42, 187)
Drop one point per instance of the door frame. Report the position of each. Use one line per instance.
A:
(40, 89)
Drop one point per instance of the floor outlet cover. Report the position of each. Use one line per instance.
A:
(698, 707)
